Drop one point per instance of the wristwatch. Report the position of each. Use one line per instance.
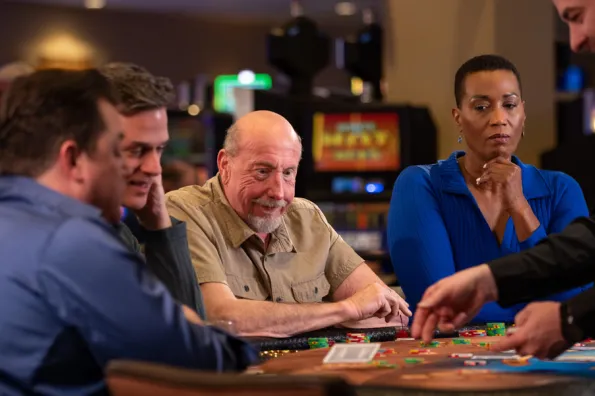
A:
(570, 329)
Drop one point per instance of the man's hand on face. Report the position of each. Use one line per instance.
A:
(154, 215)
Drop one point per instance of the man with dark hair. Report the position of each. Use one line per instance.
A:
(143, 106)
(72, 296)
(560, 262)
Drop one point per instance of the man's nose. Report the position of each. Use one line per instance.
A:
(276, 186)
(151, 164)
(578, 40)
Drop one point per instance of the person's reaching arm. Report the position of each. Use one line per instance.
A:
(570, 204)
(560, 262)
(357, 280)
(97, 286)
(265, 318)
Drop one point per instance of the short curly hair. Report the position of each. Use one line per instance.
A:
(137, 88)
(479, 64)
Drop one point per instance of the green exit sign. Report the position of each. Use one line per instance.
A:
(223, 99)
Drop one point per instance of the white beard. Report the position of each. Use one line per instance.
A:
(264, 225)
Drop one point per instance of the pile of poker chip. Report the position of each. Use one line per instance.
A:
(402, 332)
(496, 329)
(472, 333)
(461, 341)
(275, 353)
(421, 352)
(320, 342)
(431, 344)
(383, 364)
(356, 338)
(385, 352)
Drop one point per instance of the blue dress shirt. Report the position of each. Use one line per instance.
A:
(435, 227)
(73, 297)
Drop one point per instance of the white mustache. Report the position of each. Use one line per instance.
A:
(271, 203)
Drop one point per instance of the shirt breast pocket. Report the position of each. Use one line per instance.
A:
(310, 291)
(246, 287)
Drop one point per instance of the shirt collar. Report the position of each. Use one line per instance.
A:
(238, 231)
(452, 180)
(20, 188)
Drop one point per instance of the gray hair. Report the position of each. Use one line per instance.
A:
(231, 143)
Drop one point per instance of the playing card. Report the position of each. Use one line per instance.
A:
(351, 353)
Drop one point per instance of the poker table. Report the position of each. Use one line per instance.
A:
(442, 370)
(382, 334)
(300, 341)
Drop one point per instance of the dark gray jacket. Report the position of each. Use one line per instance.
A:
(168, 258)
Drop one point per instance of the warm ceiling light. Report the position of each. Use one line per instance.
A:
(193, 110)
(94, 4)
(345, 8)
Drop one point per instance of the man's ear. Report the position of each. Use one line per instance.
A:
(223, 165)
(70, 162)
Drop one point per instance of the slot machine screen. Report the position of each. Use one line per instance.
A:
(356, 142)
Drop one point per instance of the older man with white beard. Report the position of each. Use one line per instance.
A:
(267, 261)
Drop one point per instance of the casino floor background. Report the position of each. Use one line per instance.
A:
(389, 77)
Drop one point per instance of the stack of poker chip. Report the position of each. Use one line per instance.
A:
(383, 364)
(496, 329)
(320, 342)
(472, 333)
(414, 360)
(431, 344)
(402, 332)
(461, 341)
(355, 338)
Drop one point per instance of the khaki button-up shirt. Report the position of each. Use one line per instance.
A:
(306, 260)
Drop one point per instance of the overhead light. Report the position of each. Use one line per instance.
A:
(345, 8)
(193, 109)
(246, 77)
(94, 4)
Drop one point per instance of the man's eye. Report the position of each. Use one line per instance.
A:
(137, 152)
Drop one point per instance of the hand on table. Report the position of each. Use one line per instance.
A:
(538, 332)
(453, 301)
(377, 300)
(506, 176)
(154, 215)
(371, 323)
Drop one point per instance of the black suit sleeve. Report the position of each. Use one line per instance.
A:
(168, 257)
(582, 307)
(560, 262)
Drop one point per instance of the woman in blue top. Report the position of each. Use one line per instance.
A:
(481, 203)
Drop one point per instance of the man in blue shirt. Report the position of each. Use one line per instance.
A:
(72, 295)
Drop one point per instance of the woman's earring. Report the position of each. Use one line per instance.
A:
(460, 139)
(523, 133)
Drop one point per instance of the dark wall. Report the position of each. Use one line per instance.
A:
(173, 45)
